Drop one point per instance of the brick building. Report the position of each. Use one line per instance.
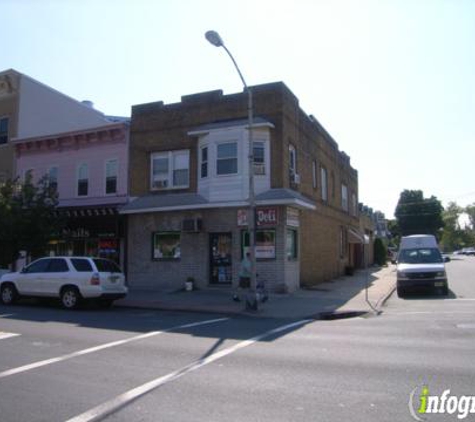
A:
(188, 180)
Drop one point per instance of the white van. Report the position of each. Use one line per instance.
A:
(420, 265)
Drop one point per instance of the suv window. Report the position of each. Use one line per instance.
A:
(58, 265)
(82, 265)
(106, 266)
(39, 266)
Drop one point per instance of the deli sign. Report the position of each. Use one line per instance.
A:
(265, 217)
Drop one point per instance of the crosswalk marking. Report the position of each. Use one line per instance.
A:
(4, 335)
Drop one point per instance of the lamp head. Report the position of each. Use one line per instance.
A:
(214, 38)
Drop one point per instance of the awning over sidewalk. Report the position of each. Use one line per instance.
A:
(194, 201)
(355, 236)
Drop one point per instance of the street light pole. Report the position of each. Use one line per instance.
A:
(214, 38)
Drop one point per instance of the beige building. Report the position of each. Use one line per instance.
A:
(189, 175)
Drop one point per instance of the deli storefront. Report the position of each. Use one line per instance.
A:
(91, 231)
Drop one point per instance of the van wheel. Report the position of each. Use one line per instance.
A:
(401, 292)
(70, 298)
(444, 291)
(9, 294)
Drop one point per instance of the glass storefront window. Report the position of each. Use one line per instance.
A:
(291, 244)
(265, 244)
(166, 245)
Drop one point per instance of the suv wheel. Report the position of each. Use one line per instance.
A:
(70, 298)
(9, 294)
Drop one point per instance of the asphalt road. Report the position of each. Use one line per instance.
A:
(138, 365)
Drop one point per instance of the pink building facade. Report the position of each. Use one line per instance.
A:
(89, 169)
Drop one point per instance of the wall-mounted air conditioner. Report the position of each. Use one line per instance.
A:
(192, 225)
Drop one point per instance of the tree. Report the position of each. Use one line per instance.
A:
(418, 215)
(27, 219)
(453, 236)
(470, 211)
(380, 252)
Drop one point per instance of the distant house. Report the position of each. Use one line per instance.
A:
(189, 180)
(29, 108)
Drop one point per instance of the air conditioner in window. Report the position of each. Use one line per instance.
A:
(192, 225)
(160, 184)
(295, 178)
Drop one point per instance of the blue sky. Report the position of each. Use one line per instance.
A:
(393, 81)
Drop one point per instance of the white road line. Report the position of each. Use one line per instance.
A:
(7, 335)
(101, 411)
(83, 352)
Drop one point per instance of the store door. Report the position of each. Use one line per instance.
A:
(221, 270)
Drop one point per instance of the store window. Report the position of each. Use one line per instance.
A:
(227, 162)
(291, 244)
(112, 170)
(264, 245)
(166, 245)
(170, 170)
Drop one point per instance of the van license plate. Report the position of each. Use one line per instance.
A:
(439, 284)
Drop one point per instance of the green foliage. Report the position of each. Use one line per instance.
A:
(27, 220)
(380, 252)
(418, 215)
(470, 211)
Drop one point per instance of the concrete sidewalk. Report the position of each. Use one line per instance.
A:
(343, 296)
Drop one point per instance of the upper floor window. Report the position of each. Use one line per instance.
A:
(354, 205)
(52, 178)
(344, 197)
(204, 162)
(170, 170)
(112, 170)
(226, 160)
(3, 130)
(292, 160)
(83, 180)
(259, 158)
(323, 177)
(314, 174)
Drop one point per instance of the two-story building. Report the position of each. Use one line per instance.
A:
(189, 172)
(88, 168)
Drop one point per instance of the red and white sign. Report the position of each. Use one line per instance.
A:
(265, 217)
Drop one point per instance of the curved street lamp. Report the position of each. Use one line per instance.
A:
(214, 38)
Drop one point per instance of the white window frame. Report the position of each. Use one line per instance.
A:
(204, 162)
(156, 183)
(354, 204)
(344, 197)
(259, 167)
(106, 167)
(218, 144)
(78, 174)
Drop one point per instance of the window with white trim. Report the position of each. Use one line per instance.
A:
(226, 158)
(204, 162)
(83, 180)
(259, 158)
(112, 171)
(354, 204)
(170, 170)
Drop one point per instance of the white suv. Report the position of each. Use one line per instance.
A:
(71, 279)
